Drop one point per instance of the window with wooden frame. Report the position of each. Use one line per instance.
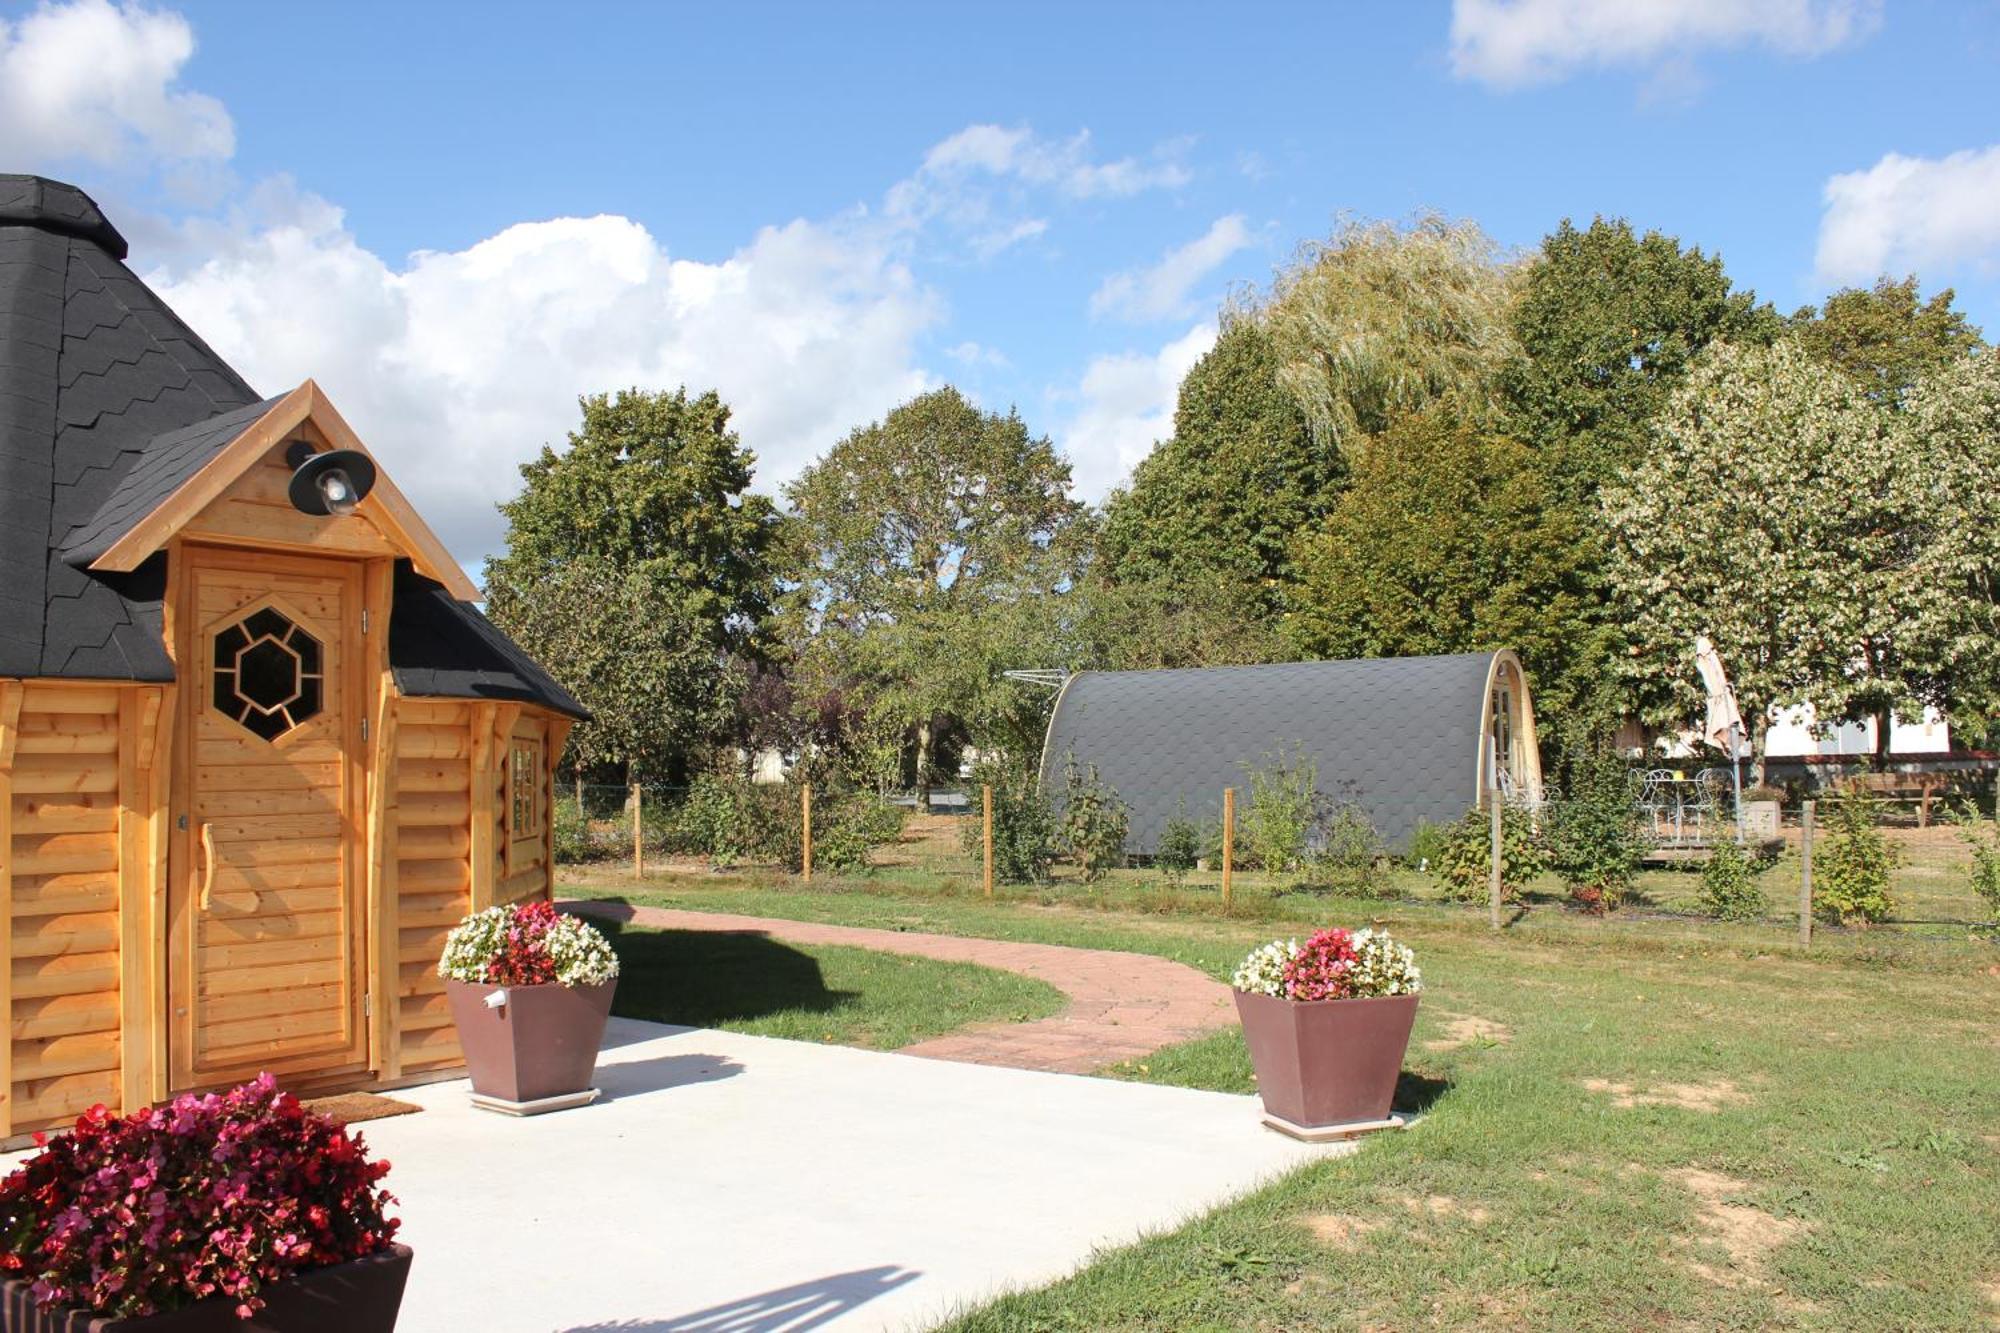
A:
(527, 808)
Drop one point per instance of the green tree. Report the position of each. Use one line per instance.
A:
(1447, 542)
(1207, 520)
(1886, 337)
(637, 563)
(1382, 320)
(1607, 323)
(1785, 517)
(925, 548)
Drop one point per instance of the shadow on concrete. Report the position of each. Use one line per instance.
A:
(636, 1077)
(793, 1309)
(706, 978)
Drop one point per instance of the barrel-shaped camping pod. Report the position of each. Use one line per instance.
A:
(258, 749)
(1402, 740)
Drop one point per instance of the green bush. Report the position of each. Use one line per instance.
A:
(1274, 832)
(1592, 833)
(572, 833)
(1731, 889)
(1465, 864)
(1180, 845)
(1094, 821)
(1982, 837)
(1348, 849)
(1024, 825)
(1851, 877)
(1427, 845)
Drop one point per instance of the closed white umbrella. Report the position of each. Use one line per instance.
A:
(1724, 727)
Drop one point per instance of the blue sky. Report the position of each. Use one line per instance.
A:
(825, 209)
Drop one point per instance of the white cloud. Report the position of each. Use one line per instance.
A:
(1515, 43)
(987, 181)
(1906, 213)
(92, 81)
(1127, 403)
(457, 366)
(977, 354)
(1162, 290)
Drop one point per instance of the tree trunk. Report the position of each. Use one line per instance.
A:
(924, 766)
(1759, 728)
(579, 788)
(1885, 721)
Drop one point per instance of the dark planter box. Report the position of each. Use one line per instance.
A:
(361, 1296)
(542, 1043)
(1327, 1062)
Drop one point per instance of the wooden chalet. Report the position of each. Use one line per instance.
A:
(255, 760)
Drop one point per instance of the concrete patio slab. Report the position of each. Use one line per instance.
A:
(736, 1184)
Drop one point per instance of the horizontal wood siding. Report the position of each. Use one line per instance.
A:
(433, 816)
(63, 951)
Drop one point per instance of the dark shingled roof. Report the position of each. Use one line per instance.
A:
(1397, 737)
(108, 403)
(441, 646)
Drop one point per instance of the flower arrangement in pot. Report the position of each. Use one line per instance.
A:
(530, 990)
(238, 1211)
(1327, 1023)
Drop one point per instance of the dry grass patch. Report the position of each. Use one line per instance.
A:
(1746, 1234)
(1340, 1231)
(1444, 1208)
(1709, 1097)
(1466, 1029)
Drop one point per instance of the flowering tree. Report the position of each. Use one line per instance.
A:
(1784, 515)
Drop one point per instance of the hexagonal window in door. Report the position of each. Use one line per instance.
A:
(268, 674)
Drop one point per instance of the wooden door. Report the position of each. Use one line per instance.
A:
(267, 965)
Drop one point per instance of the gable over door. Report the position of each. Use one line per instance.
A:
(267, 953)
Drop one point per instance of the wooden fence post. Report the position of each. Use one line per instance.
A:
(1228, 840)
(806, 839)
(1493, 859)
(638, 832)
(1805, 873)
(986, 834)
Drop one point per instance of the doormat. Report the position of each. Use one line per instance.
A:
(351, 1108)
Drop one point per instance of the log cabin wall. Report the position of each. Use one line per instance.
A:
(431, 825)
(82, 854)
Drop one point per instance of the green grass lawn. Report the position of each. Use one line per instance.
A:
(850, 997)
(1628, 1124)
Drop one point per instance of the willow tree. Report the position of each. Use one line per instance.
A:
(922, 546)
(1382, 320)
(1782, 514)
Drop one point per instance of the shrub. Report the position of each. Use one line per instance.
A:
(1592, 832)
(1284, 812)
(1851, 878)
(1983, 838)
(1730, 887)
(1094, 821)
(218, 1195)
(1765, 793)
(1024, 827)
(1180, 845)
(1348, 849)
(1465, 862)
(1427, 845)
(572, 833)
(1332, 965)
(528, 944)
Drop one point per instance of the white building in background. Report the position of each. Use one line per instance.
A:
(1795, 735)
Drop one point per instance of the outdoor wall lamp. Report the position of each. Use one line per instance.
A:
(333, 483)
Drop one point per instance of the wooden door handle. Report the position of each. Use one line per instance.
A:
(207, 863)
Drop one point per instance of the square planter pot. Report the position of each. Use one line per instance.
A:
(361, 1296)
(1761, 820)
(540, 1045)
(1327, 1062)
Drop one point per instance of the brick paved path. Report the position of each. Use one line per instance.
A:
(1121, 1005)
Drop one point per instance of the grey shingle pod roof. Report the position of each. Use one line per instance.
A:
(1397, 737)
